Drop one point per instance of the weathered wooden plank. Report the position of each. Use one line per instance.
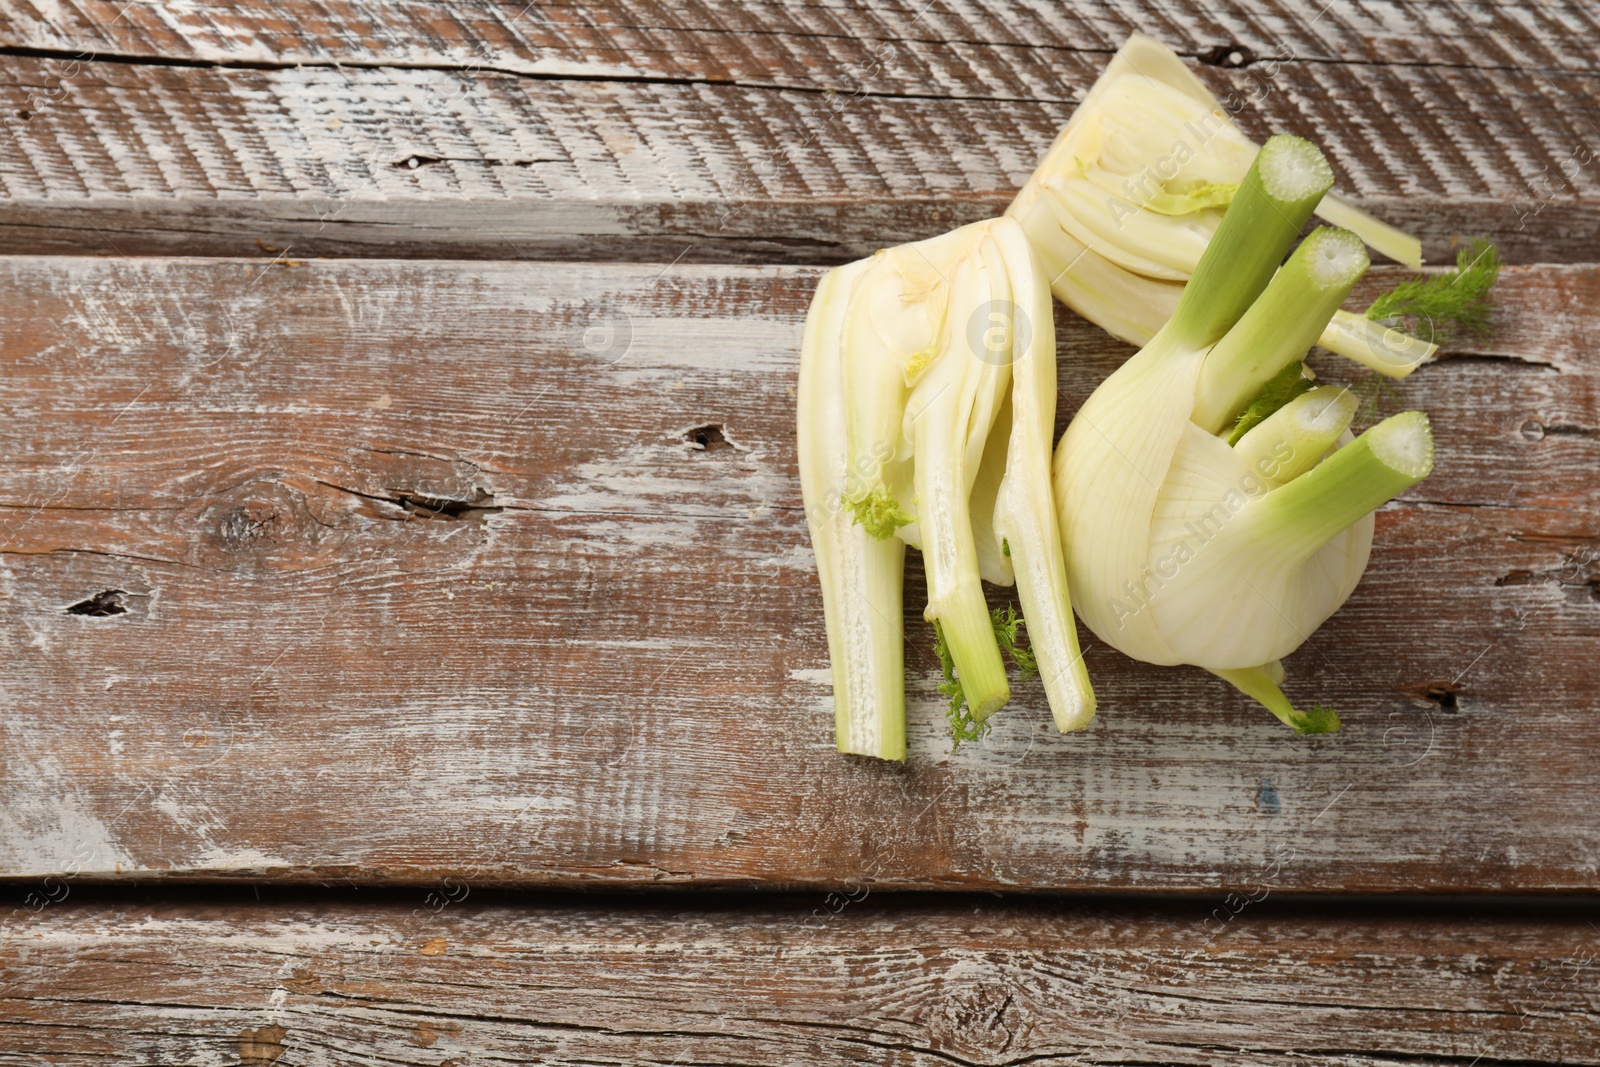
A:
(844, 979)
(106, 157)
(398, 570)
(986, 48)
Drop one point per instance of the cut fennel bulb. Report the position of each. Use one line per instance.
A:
(1184, 549)
(926, 407)
(1127, 199)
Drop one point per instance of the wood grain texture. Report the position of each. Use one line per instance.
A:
(979, 48)
(787, 981)
(391, 571)
(720, 133)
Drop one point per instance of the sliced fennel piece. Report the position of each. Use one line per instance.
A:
(893, 336)
(1025, 514)
(945, 411)
(860, 574)
(1132, 307)
(926, 406)
(1389, 351)
(994, 564)
(1149, 137)
(1181, 549)
(1128, 306)
(1144, 242)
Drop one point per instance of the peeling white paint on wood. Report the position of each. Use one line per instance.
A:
(238, 861)
(47, 827)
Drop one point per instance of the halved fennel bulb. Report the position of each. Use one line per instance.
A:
(1130, 194)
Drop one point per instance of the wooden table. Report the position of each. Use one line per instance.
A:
(399, 493)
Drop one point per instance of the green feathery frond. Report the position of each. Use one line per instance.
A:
(1456, 301)
(1006, 623)
(1279, 390)
(963, 727)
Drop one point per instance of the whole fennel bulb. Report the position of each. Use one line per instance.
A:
(1184, 549)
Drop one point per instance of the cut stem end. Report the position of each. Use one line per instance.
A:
(1258, 685)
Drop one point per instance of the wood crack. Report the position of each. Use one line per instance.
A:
(426, 506)
(1505, 359)
(406, 1008)
(98, 552)
(1569, 429)
(1391, 1056)
(90, 55)
(1167, 994)
(951, 1057)
(113, 508)
(1487, 505)
(412, 162)
(109, 1002)
(1213, 56)
(131, 60)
